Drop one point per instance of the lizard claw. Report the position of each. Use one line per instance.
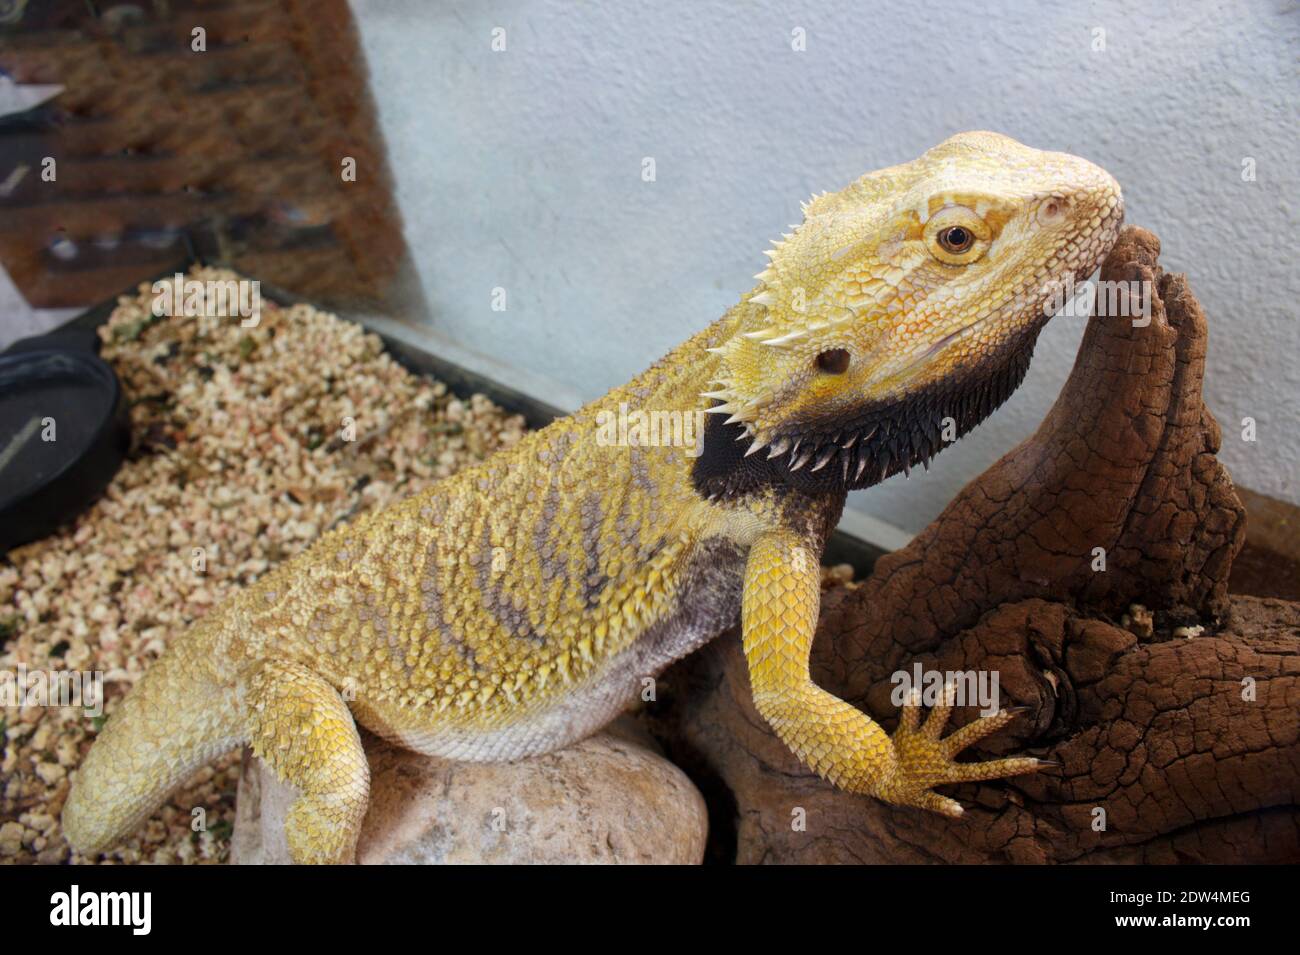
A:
(925, 758)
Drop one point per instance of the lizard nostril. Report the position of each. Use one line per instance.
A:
(1051, 211)
(834, 361)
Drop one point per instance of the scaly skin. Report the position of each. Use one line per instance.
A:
(518, 606)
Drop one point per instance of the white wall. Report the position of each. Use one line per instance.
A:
(522, 169)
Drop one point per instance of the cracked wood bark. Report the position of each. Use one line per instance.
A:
(1157, 734)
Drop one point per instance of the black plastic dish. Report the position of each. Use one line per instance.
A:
(56, 380)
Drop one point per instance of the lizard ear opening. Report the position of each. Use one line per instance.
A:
(833, 361)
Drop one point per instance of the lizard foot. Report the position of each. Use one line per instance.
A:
(924, 760)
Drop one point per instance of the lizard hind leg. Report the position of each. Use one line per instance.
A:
(300, 726)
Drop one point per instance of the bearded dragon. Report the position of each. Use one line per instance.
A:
(519, 605)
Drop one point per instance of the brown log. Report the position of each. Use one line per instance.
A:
(1175, 744)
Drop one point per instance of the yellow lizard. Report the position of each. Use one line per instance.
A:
(520, 605)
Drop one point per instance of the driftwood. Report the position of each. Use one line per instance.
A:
(1174, 744)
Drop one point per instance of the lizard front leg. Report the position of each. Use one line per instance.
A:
(779, 617)
(301, 727)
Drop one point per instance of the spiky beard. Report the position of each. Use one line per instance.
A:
(866, 446)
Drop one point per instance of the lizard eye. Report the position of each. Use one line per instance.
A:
(956, 240)
(955, 235)
(834, 361)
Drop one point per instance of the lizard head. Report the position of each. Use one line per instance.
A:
(903, 310)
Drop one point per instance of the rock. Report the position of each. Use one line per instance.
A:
(607, 799)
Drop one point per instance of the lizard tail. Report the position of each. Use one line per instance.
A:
(178, 718)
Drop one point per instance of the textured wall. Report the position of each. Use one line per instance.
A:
(522, 169)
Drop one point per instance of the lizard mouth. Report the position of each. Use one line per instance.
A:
(925, 357)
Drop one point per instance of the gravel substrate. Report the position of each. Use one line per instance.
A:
(240, 450)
